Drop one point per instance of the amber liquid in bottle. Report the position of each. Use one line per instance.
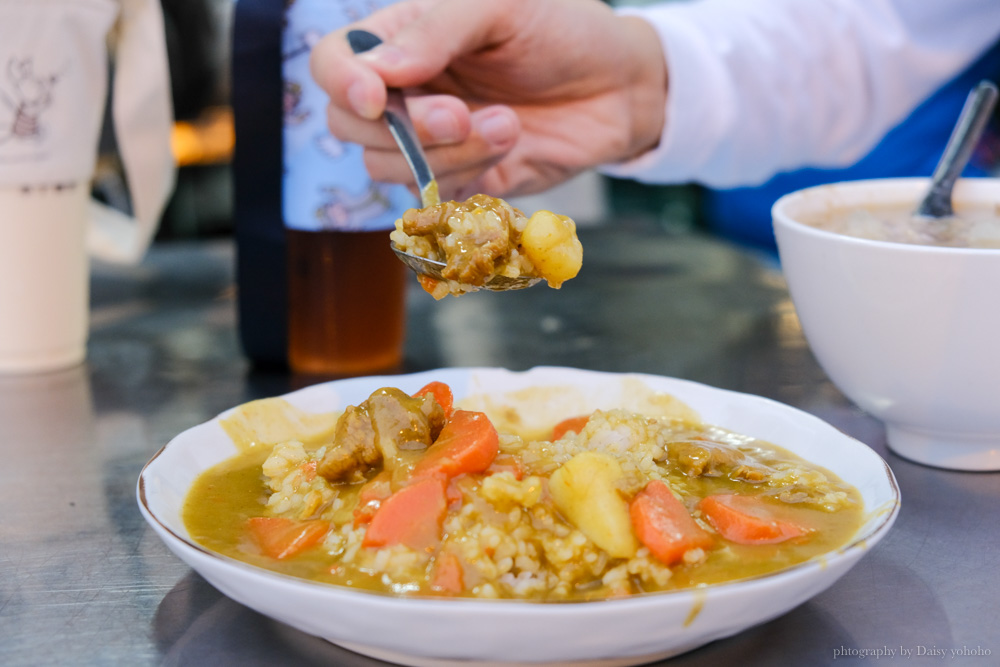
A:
(347, 303)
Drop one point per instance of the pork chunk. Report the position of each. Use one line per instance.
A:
(353, 449)
(473, 236)
(374, 432)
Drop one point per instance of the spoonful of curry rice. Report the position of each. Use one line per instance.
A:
(481, 243)
(485, 243)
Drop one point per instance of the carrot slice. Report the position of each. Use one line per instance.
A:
(412, 516)
(447, 577)
(747, 520)
(663, 524)
(281, 538)
(429, 284)
(468, 444)
(441, 393)
(371, 495)
(574, 424)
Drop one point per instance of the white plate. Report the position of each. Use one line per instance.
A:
(613, 632)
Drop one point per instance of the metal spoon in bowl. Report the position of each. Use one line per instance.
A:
(963, 140)
(401, 128)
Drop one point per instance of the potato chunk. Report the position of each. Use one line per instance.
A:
(585, 491)
(550, 242)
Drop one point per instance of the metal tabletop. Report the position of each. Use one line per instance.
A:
(84, 581)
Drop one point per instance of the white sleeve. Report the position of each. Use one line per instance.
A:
(756, 87)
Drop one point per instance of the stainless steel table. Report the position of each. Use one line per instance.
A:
(83, 581)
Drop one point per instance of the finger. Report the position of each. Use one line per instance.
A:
(461, 185)
(422, 48)
(494, 132)
(350, 82)
(348, 127)
(494, 178)
(438, 120)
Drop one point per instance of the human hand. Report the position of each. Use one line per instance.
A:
(508, 96)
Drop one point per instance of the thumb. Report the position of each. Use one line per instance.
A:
(424, 48)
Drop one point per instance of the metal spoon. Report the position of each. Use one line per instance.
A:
(963, 140)
(401, 128)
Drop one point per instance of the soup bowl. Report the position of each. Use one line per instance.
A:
(625, 631)
(908, 332)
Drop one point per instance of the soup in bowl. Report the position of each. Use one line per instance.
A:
(903, 313)
(538, 534)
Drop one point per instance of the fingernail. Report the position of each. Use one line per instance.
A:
(497, 129)
(442, 126)
(360, 102)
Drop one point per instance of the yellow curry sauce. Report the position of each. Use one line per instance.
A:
(528, 549)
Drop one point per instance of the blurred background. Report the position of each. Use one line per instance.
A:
(199, 45)
(199, 50)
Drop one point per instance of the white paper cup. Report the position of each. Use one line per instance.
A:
(54, 58)
(910, 333)
(44, 278)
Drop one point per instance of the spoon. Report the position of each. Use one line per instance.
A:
(401, 128)
(965, 136)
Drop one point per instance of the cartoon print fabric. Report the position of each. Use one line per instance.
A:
(326, 185)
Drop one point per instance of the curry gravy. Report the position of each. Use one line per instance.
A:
(224, 497)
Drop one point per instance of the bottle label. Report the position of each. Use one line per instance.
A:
(326, 186)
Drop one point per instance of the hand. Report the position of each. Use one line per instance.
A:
(507, 96)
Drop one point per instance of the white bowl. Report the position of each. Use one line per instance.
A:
(910, 333)
(421, 631)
